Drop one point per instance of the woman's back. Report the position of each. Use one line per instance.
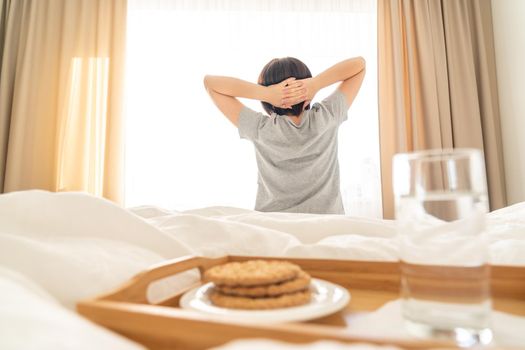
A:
(298, 166)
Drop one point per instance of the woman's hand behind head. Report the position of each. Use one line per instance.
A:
(286, 93)
(311, 86)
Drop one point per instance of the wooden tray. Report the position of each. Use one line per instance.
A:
(371, 284)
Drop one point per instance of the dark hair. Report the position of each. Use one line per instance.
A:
(278, 70)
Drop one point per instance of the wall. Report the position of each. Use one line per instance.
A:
(509, 41)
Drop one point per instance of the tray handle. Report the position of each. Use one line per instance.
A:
(135, 290)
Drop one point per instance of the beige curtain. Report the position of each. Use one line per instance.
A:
(437, 84)
(61, 95)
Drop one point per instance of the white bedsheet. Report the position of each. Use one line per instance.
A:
(32, 319)
(222, 230)
(74, 246)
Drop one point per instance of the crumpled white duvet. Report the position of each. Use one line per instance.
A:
(221, 230)
(74, 246)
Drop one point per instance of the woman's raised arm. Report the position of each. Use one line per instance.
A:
(349, 72)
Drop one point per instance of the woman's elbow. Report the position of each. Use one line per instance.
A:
(210, 82)
(362, 63)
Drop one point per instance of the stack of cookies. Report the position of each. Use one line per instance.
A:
(258, 284)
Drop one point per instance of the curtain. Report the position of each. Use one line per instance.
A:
(176, 135)
(437, 85)
(6, 86)
(61, 95)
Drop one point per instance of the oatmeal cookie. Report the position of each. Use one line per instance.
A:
(252, 273)
(301, 282)
(281, 301)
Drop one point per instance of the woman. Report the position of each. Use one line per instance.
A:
(295, 145)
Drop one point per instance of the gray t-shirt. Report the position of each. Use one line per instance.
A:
(298, 166)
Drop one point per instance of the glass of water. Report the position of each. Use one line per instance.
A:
(441, 202)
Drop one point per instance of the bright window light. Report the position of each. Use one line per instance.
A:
(181, 153)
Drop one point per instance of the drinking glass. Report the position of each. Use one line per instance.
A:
(441, 202)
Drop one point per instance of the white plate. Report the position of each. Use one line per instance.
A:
(327, 298)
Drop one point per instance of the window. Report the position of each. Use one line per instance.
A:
(181, 153)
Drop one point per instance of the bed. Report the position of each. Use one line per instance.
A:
(58, 248)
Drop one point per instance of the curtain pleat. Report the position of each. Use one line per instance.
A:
(61, 96)
(437, 85)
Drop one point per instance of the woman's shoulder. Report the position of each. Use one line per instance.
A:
(332, 108)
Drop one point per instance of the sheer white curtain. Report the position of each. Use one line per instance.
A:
(181, 153)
